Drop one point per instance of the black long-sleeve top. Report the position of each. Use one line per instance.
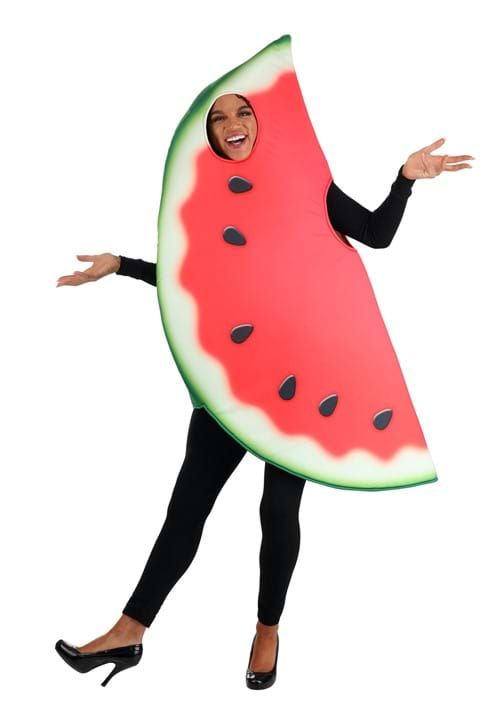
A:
(374, 228)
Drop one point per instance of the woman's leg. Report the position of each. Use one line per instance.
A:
(279, 515)
(211, 457)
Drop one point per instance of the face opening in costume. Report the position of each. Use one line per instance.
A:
(232, 127)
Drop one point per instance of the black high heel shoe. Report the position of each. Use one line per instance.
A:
(123, 657)
(261, 680)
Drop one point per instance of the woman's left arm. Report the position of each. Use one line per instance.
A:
(377, 228)
(374, 228)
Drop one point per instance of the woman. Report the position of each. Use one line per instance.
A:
(212, 454)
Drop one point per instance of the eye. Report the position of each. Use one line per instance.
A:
(216, 118)
(246, 111)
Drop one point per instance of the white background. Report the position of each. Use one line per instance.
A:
(393, 605)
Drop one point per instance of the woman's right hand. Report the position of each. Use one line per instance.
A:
(103, 264)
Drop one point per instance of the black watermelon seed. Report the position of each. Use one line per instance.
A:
(241, 332)
(287, 388)
(238, 184)
(328, 404)
(233, 236)
(382, 419)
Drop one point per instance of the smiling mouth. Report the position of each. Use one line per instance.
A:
(238, 141)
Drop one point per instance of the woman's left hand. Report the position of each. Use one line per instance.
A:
(422, 165)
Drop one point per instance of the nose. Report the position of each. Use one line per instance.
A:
(234, 130)
(232, 123)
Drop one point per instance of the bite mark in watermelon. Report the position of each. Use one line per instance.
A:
(268, 311)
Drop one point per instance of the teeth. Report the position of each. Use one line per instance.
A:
(236, 137)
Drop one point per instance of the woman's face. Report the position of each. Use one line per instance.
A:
(231, 117)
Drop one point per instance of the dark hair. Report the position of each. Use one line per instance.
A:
(218, 151)
(245, 100)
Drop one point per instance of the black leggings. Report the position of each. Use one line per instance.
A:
(211, 457)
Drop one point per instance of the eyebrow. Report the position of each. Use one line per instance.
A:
(219, 111)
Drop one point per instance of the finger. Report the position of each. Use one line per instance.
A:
(86, 274)
(433, 146)
(68, 280)
(86, 258)
(64, 277)
(457, 167)
(464, 157)
(71, 280)
(78, 280)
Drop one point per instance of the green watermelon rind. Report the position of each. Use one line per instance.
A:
(281, 50)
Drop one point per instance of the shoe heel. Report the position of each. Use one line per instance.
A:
(118, 668)
(121, 657)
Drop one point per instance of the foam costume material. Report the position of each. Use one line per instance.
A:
(268, 311)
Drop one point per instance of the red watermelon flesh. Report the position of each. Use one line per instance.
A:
(312, 383)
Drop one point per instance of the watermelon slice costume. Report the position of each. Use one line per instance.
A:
(268, 311)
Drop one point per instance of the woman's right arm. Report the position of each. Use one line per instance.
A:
(106, 264)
